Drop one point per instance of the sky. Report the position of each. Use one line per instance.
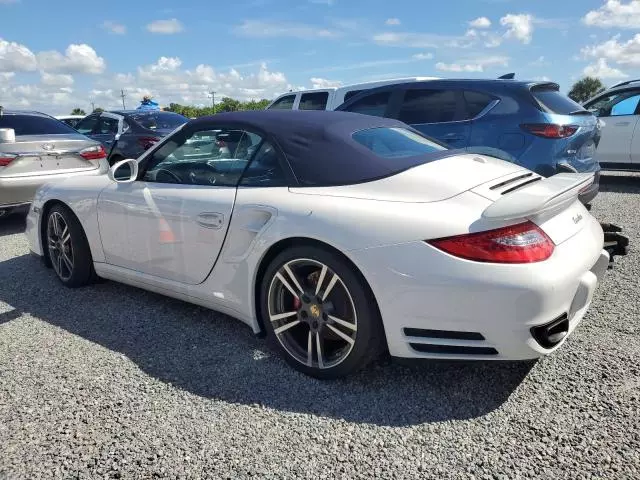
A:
(59, 54)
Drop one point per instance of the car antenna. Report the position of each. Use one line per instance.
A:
(507, 76)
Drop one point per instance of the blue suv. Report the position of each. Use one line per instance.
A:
(529, 123)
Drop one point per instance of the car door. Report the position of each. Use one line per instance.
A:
(107, 130)
(618, 118)
(172, 221)
(437, 112)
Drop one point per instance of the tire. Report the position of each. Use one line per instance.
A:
(74, 268)
(348, 299)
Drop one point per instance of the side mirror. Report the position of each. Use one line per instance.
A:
(124, 171)
(7, 135)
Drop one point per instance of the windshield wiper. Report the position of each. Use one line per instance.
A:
(580, 112)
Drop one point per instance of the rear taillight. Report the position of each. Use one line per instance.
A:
(549, 130)
(148, 142)
(521, 243)
(6, 159)
(93, 153)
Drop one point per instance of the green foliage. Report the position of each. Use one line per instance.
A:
(226, 104)
(77, 111)
(585, 88)
(98, 110)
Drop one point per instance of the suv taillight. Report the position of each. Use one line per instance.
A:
(521, 243)
(93, 153)
(549, 130)
(6, 159)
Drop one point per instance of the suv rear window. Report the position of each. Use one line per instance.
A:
(34, 125)
(554, 101)
(374, 104)
(313, 101)
(159, 120)
(388, 142)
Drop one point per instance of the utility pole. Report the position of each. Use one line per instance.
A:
(93, 106)
(122, 95)
(213, 100)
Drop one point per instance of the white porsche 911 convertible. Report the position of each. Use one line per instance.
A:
(337, 235)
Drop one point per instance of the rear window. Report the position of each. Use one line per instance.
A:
(429, 106)
(351, 94)
(374, 104)
(391, 142)
(159, 120)
(555, 102)
(34, 125)
(313, 101)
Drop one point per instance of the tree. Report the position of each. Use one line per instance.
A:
(77, 111)
(584, 89)
(98, 110)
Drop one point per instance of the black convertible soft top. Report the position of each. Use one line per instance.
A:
(319, 145)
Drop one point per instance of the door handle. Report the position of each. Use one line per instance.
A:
(210, 220)
(621, 124)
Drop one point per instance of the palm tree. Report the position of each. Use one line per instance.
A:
(78, 111)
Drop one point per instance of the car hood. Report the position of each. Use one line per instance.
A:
(430, 182)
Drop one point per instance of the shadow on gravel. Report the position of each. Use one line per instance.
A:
(217, 357)
(629, 183)
(12, 224)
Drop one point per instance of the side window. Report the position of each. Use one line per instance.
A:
(616, 104)
(107, 126)
(374, 104)
(204, 157)
(429, 106)
(314, 101)
(265, 169)
(351, 94)
(475, 102)
(284, 103)
(88, 124)
(626, 106)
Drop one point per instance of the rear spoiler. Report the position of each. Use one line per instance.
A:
(547, 194)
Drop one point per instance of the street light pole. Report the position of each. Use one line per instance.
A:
(213, 101)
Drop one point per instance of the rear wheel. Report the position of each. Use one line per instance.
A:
(319, 314)
(68, 248)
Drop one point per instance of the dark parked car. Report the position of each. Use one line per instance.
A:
(529, 123)
(128, 133)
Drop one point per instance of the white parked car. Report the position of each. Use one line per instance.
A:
(618, 112)
(339, 236)
(332, 97)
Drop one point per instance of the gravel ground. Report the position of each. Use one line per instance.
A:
(114, 382)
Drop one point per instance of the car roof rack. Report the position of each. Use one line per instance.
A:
(507, 76)
(626, 82)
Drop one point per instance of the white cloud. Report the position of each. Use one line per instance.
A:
(165, 27)
(259, 28)
(15, 57)
(518, 26)
(600, 69)
(324, 83)
(113, 27)
(6, 76)
(493, 41)
(414, 40)
(624, 53)
(615, 13)
(539, 62)
(480, 22)
(473, 65)
(392, 21)
(76, 59)
(55, 80)
(423, 56)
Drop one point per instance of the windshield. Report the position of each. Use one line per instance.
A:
(159, 120)
(34, 125)
(396, 142)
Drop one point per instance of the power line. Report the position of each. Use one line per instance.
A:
(122, 95)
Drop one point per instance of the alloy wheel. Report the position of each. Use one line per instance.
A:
(59, 244)
(312, 313)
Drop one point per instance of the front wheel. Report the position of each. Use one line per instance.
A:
(319, 313)
(68, 248)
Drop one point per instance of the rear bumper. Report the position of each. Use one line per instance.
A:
(20, 190)
(587, 195)
(437, 306)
